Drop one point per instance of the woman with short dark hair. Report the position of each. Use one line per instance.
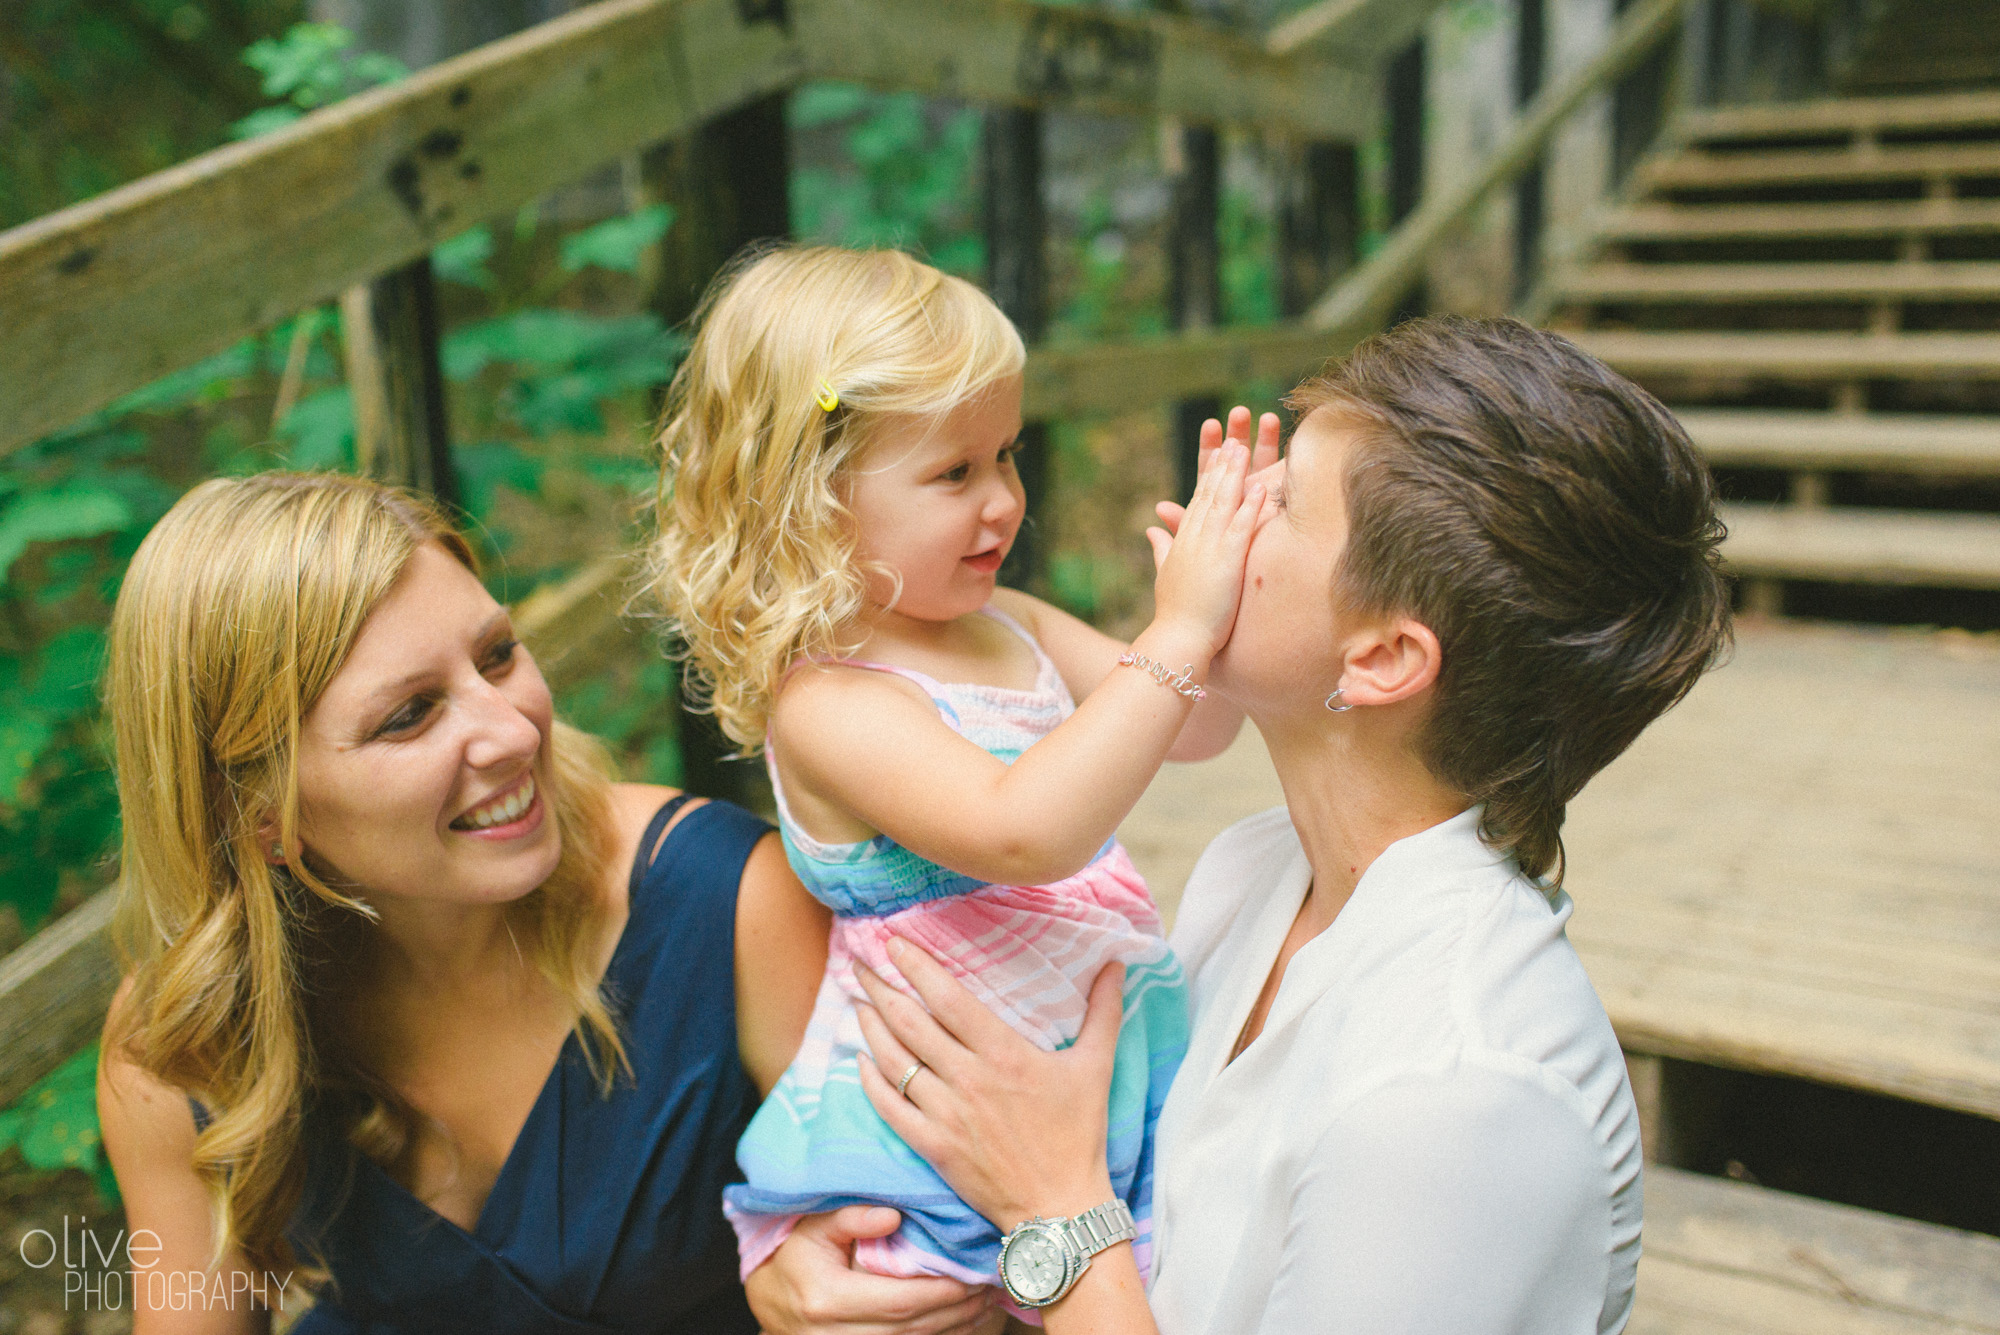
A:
(1486, 564)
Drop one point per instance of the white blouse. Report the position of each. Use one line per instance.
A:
(1433, 1133)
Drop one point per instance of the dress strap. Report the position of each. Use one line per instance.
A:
(1044, 665)
(649, 842)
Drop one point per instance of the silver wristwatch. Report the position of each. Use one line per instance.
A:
(1042, 1259)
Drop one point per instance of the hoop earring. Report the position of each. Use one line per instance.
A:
(1338, 691)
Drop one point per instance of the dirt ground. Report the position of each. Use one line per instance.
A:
(53, 1298)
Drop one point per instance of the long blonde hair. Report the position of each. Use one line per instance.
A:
(239, 608)
(754, 558)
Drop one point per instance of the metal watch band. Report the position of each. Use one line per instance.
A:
(1102, 1226)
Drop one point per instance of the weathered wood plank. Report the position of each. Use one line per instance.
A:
(112, 293)
(1720, 171)
(105, 296)
(1938, 446)
(1029, 54)
(1820, 769)
(1357, 30)
(1725, 1256)
(1739, 222)
(1942, 111)
(1741, 355)
(1954, 551)
(53, 992)
(1691, 284)
(1081, 379)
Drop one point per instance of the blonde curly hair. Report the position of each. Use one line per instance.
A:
(754, 561)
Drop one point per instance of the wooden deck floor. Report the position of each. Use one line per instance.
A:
(1797, 871)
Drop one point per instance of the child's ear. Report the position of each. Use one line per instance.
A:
(1389, 662)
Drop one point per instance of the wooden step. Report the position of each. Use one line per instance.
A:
(1862, 546)
(1785, 222)
(1843, 115)
(1938, 446)
(1723, 1257)
(1899, 280)
(1834, 166)
(1802, 356)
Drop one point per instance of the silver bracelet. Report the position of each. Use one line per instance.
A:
(1180, 683)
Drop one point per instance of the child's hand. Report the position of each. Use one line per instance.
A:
(1262, 457)
(1200, 563)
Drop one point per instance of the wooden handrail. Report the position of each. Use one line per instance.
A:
(108, 295)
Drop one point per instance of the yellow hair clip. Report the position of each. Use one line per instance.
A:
(827, 398)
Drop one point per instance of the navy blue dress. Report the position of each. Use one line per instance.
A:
(607, 1215)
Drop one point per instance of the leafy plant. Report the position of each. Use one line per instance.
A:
(910, 178)
(54, 1125)
(309, 67)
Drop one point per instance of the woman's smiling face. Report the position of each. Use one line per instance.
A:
(422, 765)
(1284, 651)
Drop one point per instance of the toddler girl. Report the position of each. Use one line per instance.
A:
(838, 497)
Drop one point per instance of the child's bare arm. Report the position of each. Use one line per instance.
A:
(873, 746)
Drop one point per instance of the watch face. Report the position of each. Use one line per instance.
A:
(1034, 1265)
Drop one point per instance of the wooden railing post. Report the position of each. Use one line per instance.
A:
(1404, 90)
(1319, 222)
(396, 381)
(728, 182)
(1530, 47)
(1194, 273)
(1017, 278)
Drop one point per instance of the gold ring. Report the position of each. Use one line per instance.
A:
(903, 1085)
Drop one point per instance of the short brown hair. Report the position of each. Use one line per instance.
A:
(1552, 524)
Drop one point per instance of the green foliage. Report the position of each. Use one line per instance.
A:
(310, 66)
(617, 243)
(97, 93)
(54, 1125)
(910, 179)
(564, 364)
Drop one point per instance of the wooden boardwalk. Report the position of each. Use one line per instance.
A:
(1797, 871)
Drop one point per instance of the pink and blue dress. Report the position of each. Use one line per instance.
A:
(1028, 952)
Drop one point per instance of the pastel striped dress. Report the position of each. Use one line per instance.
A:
(1029, 952)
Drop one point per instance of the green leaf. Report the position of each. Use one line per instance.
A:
(817, 104)
(264, 120)
(23, 738)
(617, 244)
(54, 516)
(320, 429)
(463, 259)
(494, 463)
(58, 1117)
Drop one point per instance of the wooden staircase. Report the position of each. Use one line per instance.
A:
(1815, 289)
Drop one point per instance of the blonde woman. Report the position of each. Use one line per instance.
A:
(424, 1012)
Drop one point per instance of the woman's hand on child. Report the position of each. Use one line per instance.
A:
(1016, 1131)
(1199, 579)
(810, 1286)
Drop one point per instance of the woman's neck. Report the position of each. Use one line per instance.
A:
(431, 945)
(1353, 787)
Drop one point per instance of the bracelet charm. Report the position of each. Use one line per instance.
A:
(1180, 683)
